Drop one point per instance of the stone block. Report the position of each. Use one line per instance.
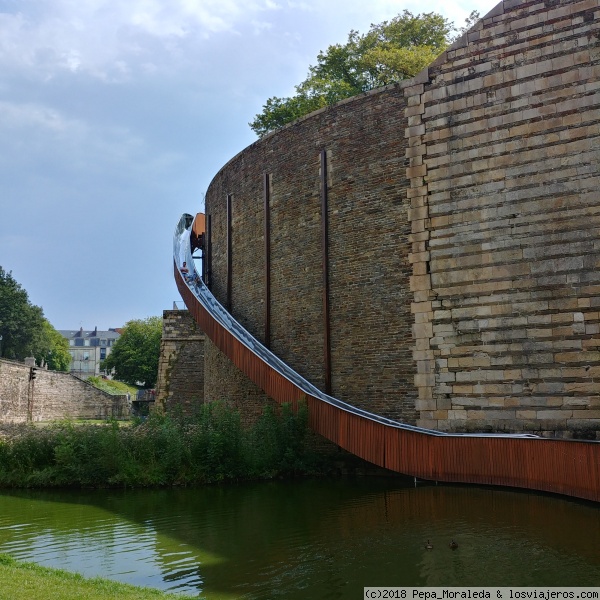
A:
(457, 415)
(554, 415)
(423, 405)
(424, 380)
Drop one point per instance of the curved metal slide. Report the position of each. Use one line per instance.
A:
(517, 460)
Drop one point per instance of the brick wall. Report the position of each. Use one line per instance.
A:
(52, 395)
(181, 364)
(463, 228)
(504, 143)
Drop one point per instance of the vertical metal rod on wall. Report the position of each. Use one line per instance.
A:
(207, 257)
(30, 396)
(229, 262)
(267, 199)
(325, 253)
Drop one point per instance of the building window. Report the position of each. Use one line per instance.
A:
(102, 353)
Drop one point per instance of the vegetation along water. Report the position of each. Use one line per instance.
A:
(162, 450)
(295, 538)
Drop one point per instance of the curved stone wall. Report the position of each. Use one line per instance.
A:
(505, 217)
(462, 247)
(369, 288)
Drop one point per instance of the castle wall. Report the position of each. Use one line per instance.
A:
(180, 383)
(369, 297)
(52, 395)
(463, 234)
(504, 143)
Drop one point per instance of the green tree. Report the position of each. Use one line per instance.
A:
(52, 349)
(469, 22)
(134, 356)
(25, 331)
(388, 53)
(20, 321)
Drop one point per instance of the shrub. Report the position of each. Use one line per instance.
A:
(169, 449)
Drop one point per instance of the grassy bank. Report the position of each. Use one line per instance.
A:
(27, 581)
(112, 386)
(211, 446)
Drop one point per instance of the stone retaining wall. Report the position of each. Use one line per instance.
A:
(504, 140)
(369, 293)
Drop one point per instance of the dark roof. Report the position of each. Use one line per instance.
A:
(111, 334)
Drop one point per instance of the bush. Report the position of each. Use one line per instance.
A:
(170, 449)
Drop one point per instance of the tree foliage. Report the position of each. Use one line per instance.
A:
(388, 53)
(134, 356)
(53, 349)
(20, 321)
(24, 329)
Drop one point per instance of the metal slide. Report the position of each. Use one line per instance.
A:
(182, 253)
(517, 460)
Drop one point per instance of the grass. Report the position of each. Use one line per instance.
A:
(111, 386)
(27, 581)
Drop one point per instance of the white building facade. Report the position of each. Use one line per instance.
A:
(88, 349)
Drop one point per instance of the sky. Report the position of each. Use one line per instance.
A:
(114, 118)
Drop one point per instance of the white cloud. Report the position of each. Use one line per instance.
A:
(102, 37)
(112, 41)
(49, 139)
(15, 116)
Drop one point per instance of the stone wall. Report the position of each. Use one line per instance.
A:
(504, 143)
(371, 347)
(463, 234)
(52, 395)
(191, 368)
(180, 383)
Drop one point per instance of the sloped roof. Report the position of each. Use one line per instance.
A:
(111, 334)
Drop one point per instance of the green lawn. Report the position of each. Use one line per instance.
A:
(112, 386)
(27, 581)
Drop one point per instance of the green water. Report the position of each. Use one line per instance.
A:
(308, 539)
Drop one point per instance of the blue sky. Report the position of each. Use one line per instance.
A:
(115, 116)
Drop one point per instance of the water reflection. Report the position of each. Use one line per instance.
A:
(310, 539)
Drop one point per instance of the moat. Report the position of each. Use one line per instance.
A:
(307, 539)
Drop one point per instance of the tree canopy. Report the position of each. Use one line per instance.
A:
(53, 349)
(25, 331)
(388, 53)
(134, 356)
